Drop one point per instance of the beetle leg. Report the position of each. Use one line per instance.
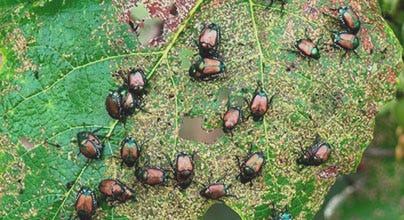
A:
(331, 16)
(343, 55)
(306, 34)
(292, 51)
(231, 195)
(283, 3)
(238, 163)
(319, 42)
(356, 53)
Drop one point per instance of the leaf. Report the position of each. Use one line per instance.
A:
(58, 58)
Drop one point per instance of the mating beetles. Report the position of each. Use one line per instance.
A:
(151, 175)
(85, 204)
(231, 118)
(280, 215)
(207, 69)
(215, 191)
(183, 169)
(90, 145)
(251, 166)
(115, 189)
(209, 40)
(130, 151)
(259, 104)
(113, 104)
(315, 155)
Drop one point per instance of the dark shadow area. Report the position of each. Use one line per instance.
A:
(220, 211)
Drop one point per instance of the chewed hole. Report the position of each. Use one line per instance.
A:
(191, 129)
(220, 211)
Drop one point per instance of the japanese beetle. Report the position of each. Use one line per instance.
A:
(280, 215)
(209, 40)
(251, 166)
(90, 145)
(115, 189)
(306, 47)
(151, 175)
(85, 204)
(183, 169)
(113, 104)
(207, 69)
(130, 151)
(231, 118)
(259, 104)
(348, 19)
(315, 155)
(215, 191)
(135, 80)
(345, 41)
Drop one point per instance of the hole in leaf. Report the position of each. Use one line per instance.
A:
(27, 143)
(220, 211)
(191, 129)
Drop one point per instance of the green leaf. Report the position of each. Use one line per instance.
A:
(57, 63)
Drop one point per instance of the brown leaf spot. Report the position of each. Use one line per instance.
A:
(371, 110)
(331, 171)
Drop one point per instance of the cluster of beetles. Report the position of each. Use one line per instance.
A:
(124, 101)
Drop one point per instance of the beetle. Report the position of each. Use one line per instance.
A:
(130, 102)
(90, 145)
(114, 106)
(207, 69)
(183, 169)
(251, 166)
(216, 190)
(115, 189)
(306, 47)
(259, 103)
(130, 151)
(347, 19)
(135, 80)
(231, 118)
(315, 155)
(280, 215)
(152, 176)
(346, 41)
(209, 40)
(86, 203)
